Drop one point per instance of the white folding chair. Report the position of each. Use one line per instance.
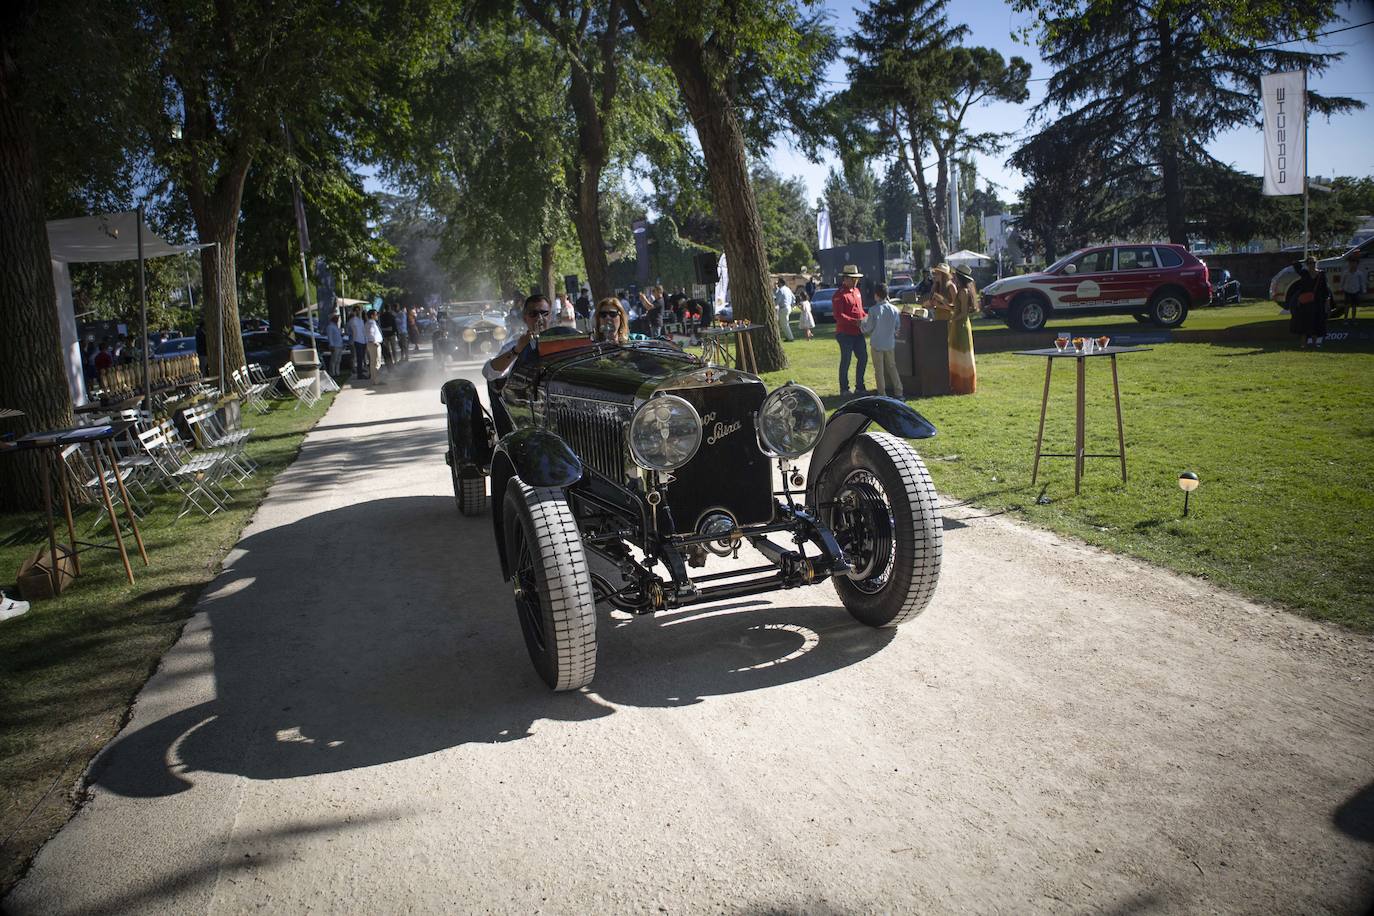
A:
(192, 478)
(303, 389)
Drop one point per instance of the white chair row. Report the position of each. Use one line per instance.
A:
(253, 392)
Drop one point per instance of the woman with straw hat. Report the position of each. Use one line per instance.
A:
(963, 376)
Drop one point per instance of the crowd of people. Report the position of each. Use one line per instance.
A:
(945, 293)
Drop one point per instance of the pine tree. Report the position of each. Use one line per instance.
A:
(1140, 88)
(898, 201)
(911, 86)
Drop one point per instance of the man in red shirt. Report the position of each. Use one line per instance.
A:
(848, 308)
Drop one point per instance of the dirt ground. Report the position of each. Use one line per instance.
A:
(351, 724)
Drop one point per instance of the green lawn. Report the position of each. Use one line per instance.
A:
(70, 668)
(1280, 437)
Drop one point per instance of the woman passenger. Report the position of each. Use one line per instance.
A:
(610, 323)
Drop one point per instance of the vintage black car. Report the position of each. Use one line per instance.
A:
(650, 459)
(476, 335)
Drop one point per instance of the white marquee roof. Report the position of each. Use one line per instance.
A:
(107, 237)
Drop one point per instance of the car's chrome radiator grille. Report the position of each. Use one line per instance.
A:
(596, 433)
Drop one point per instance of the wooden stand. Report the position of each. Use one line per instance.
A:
(1079, 453)
(923, 357)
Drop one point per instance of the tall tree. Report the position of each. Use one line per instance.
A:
(853, 201)
(500, 192)
(788, 221)
(230, 75)
(898, 200)
(34, 379)
(911, 88)
(738, 61)
(1153, 81)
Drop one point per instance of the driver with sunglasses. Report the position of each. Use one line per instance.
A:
(536, 315)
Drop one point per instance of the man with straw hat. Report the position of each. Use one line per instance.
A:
(848, 308)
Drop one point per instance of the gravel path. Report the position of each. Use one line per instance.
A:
(350, 724)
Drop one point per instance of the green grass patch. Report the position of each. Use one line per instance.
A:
(69, 669)
(1280, 437)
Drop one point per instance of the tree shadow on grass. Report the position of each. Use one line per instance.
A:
(383, 631)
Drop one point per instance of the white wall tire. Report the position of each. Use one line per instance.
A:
(885, 513)
(553, 587)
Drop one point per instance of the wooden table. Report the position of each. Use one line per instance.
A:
(1079, 453)
(100, 441)
(715, 347)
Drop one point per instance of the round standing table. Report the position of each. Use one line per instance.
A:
(1079, 453)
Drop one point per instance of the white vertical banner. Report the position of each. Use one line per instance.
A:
(1285, 132)
(722, 282)
(823, 237)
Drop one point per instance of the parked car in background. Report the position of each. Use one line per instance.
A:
(1335, 274)
(1155, 283)
(822, 304)
(174, 346)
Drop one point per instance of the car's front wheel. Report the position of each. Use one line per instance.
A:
(1028, 313)
(882, 507)
(553, 587)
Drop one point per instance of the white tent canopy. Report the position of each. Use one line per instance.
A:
(84, 239)
(964, 256)
(107, 237)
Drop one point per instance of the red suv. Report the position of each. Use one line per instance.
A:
(1156, 283)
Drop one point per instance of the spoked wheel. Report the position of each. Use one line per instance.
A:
(553, 588)
(884, 513)
(471, 493)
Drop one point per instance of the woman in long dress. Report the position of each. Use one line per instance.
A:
(963, 375)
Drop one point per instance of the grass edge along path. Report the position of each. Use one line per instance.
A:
(1279, 436)
(71, 667)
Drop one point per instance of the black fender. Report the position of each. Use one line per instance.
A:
(851, 419)
(538, 458)
(469, 429)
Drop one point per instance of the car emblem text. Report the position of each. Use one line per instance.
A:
(720, 430)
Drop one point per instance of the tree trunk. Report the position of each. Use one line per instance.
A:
(280, 288)
(591, 160)
(727, 168)
(217, 220)
(546, 276)
(33, 378)
(931, 214)
(220, 300)
(1169, 172)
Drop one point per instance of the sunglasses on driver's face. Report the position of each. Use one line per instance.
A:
(615, 315)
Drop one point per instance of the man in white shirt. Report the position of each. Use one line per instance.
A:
(782, 298)
(357, 329)
(536, 317)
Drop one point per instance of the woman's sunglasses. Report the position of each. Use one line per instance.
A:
(615, 315)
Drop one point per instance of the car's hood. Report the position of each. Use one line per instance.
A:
(1019, 281)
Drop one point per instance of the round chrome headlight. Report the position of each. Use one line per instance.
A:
(498, 333)
(791, 421)
(664, 433)
(469, 335)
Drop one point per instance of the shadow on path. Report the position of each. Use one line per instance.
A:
(382, 631)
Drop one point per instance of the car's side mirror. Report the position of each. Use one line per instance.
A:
(1070, 268)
